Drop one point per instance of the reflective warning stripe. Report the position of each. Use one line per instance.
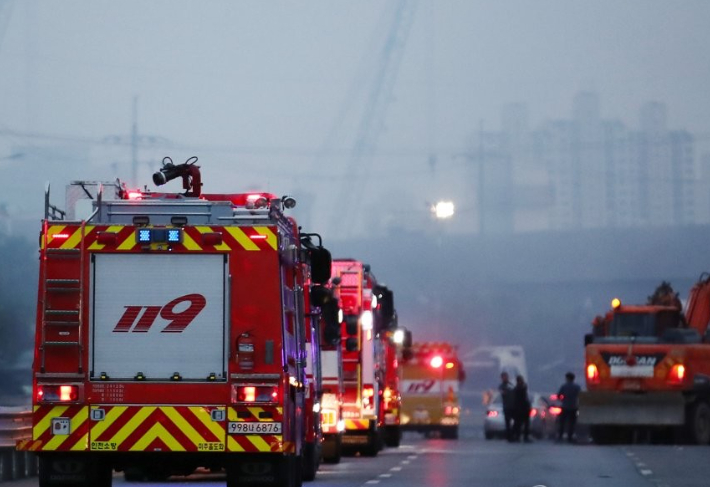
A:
(153, 428)
(233, 238)
(256, 443)
(43, 436)
(357, 424)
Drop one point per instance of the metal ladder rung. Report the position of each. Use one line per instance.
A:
(63, 281)
(62, 344)
(55, 312)
(61, 323)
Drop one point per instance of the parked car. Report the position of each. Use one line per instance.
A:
(542, 419)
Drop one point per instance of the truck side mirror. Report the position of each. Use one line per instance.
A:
(332, 328)
(588, 338)
(321, 263)
(351, 323)
(407, 343)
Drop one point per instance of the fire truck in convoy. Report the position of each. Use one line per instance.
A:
(332, 422)
(648, 369)
(431, 375)
(366, 322)
(171, 334)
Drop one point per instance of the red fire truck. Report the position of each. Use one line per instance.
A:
(171, 335)
(363, 354)
(392, 340)
(332, 365)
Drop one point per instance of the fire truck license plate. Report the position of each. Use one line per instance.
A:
(244, 428)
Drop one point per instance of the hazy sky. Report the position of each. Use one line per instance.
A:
(266, 82)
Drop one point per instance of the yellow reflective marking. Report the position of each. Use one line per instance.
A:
(75, 238)
(189, 243)
(222, 246)
(51, 231)
(112, 229)
(134, 422)
(57, 440)
(232, 414)
(259, 443)
(157, 431)
(82, 444)
(46, 422)
(204, 416)
(270, 237)
(128, 243)
(100, 426)
(241, 237)
(185, 427)
(232, 444)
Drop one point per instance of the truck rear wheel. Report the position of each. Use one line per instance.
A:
(450, 432)
(74, 470)
(698, 424)
(333, 448)
(310, 461)
(393, 436)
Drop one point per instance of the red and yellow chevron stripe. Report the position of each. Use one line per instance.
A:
(257, 443)
(257, 238)
(157, 428)
(45, 439)
(357, 424)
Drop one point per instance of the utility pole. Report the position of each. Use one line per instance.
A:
(135, 141)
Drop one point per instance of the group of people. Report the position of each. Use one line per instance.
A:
(516, 408)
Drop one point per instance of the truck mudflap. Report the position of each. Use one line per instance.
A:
(631, 409)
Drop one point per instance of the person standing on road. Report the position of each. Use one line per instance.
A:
(508, 398)
(569, 395)
(522, 410)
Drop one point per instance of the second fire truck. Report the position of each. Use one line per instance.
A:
(365, 323)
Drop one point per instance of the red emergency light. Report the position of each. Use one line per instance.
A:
(57, 393)
(255, 394)
(436, 361)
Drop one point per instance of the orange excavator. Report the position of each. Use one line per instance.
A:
(648, 369)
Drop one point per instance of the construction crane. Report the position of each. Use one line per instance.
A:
(372, 121)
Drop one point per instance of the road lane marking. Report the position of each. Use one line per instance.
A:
(385, 475)
(412, 457)
(372, 482)
(395, 469)
(405, 462)
(646, 472)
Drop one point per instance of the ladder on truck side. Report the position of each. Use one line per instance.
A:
(62, 303)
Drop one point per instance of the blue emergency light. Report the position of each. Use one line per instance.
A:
(158, 235)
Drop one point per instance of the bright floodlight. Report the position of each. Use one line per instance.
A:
(443, 209)
(398, 337)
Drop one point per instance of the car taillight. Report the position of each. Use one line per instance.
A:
(533, 413)
(368, 393)
(492, 413)
(57, 393)
(555, 410)
(592, 374)
(255, 394)
(677, 374)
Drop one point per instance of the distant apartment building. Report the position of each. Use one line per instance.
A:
(594, 173)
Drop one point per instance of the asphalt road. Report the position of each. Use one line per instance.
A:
(473, 461)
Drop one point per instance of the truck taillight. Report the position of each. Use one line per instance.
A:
(436, 361)
(255, 394)
(592, 374)
(57, 393)
(368, 394)
(677, 374)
